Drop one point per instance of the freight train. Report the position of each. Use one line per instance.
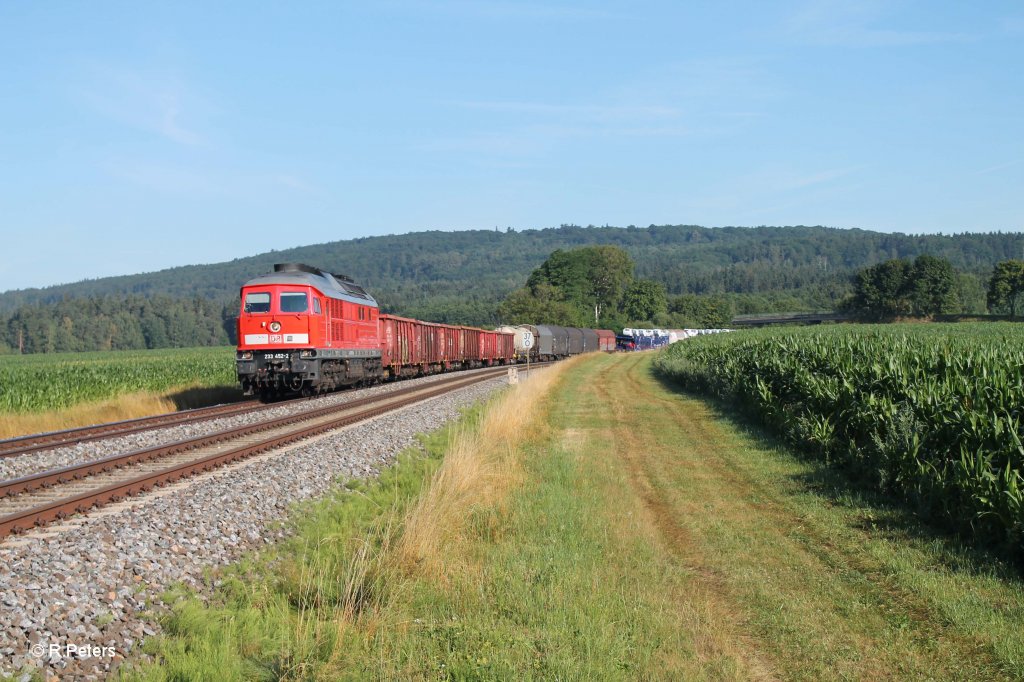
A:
(302, 330)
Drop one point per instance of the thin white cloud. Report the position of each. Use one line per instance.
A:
(587, 111)
(852, 23)
(797, 181)
(769, 190)
(172, 179)
(706, 87)
(294, 182)
(169, 125)
(705, 98)
(525, 141)
(1014, 25)
(204, 181)
(623, 129)
(501, 10)
(516, 143)
(998, 167)
(154, 102)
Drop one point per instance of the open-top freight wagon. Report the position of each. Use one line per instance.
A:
(303, 330)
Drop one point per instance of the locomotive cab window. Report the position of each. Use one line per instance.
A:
(316, 306)
(294, 303)
(257, 302)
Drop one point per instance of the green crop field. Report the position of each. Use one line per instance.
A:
(931, 413)
(33, 383)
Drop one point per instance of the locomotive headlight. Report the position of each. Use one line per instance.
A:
(275, 327)
(245, 355)
(306, 353)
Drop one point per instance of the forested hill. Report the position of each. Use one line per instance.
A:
(463, 276)
(488, 264)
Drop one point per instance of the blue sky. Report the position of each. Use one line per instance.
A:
(136, 136)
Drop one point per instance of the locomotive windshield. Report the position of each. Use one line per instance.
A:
(257, 302)
(293, 303)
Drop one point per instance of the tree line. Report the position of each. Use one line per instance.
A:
(929, 286)
(759, 269)
(592, 286)
(595, 286)
(665, 276)
(118, 323)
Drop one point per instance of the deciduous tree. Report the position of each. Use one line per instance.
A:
(1006, 288)
(644, 300)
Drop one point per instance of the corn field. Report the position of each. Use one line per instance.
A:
(931, 413)
(34, 383)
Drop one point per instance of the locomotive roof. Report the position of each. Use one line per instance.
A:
(334, 286)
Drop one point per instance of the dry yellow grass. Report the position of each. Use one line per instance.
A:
(123, 407)
(128, 406)
(359, 578)
(479, 469)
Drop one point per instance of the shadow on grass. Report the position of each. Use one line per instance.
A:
(878, 513)
(192, 398)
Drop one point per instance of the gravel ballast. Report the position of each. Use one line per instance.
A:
(79, 453)
(78, 599)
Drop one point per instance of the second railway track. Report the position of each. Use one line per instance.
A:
(23, 445)
(41, 498)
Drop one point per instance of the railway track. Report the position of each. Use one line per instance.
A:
(24, 445)
(52, 495)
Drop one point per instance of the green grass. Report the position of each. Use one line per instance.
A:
(552, 593)
(649, 537)
(930, 412)
(274, 617)
(543, 592)
(42, 382)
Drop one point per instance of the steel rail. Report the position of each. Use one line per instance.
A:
(76, 472)
(57, 509)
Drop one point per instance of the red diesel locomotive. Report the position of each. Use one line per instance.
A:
(302, 330)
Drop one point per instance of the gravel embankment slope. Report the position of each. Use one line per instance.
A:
(95, 581)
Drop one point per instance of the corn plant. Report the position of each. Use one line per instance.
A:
(33, 383)
(930, 412)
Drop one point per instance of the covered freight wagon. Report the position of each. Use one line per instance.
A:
(575, 336)
(590, 341)
(559, 339)
(544, 342)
